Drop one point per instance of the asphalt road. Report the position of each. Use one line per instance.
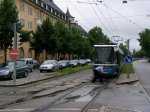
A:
(142, 68)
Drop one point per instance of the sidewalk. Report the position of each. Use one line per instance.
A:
(22, 81)
(127, 78)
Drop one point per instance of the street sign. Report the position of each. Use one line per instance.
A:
(14, 53)
(128, 59)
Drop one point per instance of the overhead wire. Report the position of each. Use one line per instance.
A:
(111, 20)
(122, 16)
(100, 19)
(103, 16)
(117, 32)
(80, 13)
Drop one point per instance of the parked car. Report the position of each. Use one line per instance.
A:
(29, 62)
(49, 65)
(36, 64)
(73, 63)
(6, 69)
(63, 63)
(82, 62)
(88, 60)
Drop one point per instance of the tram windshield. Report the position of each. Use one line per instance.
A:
(104, 55)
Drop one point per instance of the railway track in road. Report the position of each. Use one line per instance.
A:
(61, 104)
(61, 81)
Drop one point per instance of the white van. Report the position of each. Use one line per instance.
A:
(28, 61)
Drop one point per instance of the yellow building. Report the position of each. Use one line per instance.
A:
(31, 13)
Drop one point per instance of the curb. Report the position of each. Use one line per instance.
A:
(123, 79)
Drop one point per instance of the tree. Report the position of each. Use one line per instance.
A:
(77, 43)
(86, 49)
(139, 54)
(145, 40)
(124, 49)
(44, 38)
(64, 38)
(96, 36)
(25, 36)
(8, 16)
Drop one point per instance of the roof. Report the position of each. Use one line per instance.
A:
(68, 14)
(53, 5)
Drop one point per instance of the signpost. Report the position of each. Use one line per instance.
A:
(128, 59)
(14, 53)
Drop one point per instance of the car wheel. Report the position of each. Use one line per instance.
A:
(31, 69)
(12, 77)
(26, 74)
(41, 71)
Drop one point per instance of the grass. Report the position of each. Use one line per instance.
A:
(70, 70)
(127, 68)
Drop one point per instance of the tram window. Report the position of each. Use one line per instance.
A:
(102, 55)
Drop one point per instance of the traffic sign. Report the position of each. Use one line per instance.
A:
(128, 59)
(14, 53)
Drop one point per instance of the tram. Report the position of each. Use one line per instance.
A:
(108, 56)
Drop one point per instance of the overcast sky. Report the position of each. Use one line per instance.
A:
(115, 18)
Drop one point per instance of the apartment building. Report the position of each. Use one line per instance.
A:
(31, 13)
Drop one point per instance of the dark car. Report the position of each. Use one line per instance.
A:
(36, 64)
(63, 63)
(6, 69)
(73, 63)
(28, 62)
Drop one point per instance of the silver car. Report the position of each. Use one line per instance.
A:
(49, 65)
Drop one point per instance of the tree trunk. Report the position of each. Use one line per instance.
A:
(5, 52)
(45, 54)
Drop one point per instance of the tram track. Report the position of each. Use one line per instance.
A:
(50, 105)
(11, 103)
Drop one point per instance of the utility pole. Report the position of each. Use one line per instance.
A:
(15, 47)
(128, 76)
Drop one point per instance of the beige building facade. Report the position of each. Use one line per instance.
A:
(31, 13)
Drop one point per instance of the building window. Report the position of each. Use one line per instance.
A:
(29, 10)
(29, 24)
(22, 7)
(37, 14)
(22, 21)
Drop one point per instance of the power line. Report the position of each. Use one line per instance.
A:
(111, 20)
(123, 16)
(104, 17)
(100, 19)
(79, 12)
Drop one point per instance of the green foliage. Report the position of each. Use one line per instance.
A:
(25, 36)
(127, 68)
(8, 16)
(64, 38)
(96, 36)
(44, 39)
(145, 40)
(124, 49)
(139, 54)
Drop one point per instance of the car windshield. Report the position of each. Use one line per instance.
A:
(7, 65)
(62, 61)
(48, 62)
(72, 61)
